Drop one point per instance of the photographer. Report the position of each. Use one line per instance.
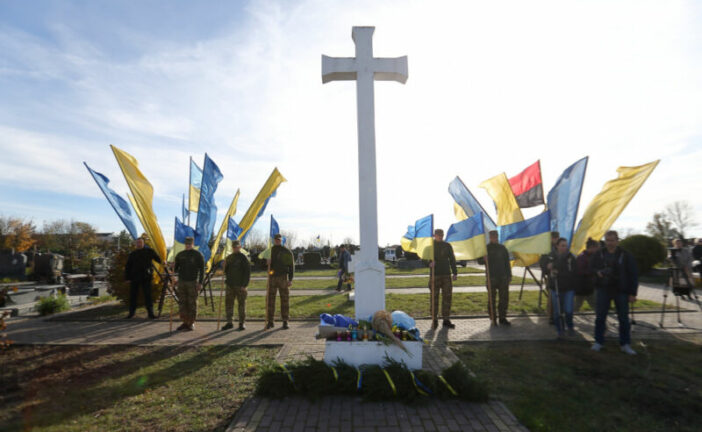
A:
(562, 286)
(697, 255)
(681, 258)
(616, 278)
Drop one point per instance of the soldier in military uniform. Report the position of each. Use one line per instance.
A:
(238, 272)
(282, 267)
(137, 274)
(500, 273)
(190, 266)
(444, 271)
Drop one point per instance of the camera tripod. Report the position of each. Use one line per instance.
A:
(679, 290)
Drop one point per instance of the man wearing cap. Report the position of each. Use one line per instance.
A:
(137, 274)
(282, 267)
(190, 266)
(500, 275)
(444, 271)
(237, 270)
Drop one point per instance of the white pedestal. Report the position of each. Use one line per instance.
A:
(360, 353)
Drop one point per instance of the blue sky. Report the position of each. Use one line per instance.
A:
(492, 88)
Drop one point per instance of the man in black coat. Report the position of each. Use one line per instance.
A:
(137, 274)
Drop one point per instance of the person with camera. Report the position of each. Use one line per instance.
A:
(545, 274)
(616, 278)
(585, 284)
(681, 259)
(562, 269)
(697, 256)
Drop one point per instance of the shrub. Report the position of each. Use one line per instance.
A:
(647, 251)
(120, 288)
(52, 305)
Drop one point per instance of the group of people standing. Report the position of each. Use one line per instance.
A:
(189, 266)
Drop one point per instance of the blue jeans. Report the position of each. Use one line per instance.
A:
(565, 299)
(621, 302)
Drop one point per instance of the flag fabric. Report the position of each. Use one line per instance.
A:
(531, 236)
(216, 257)
(194, 188)
(564, 198)
(606, 206)
(180, 232)
(466, 205)
(500, 191)
(207, 209)
(468, 238)
(424, 237)
(407, 241)
(186, 212)
(275, 229)
(258, 206)
(119, 204)
(142, 199)
(527, 186)
(233, 233)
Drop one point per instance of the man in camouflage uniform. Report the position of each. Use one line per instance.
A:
(282, 267)
(500, 273)
(190, 266)
(444, 271)
(238, 273)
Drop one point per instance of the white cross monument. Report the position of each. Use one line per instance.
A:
(364, 69)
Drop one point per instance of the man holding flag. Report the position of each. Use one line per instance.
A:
(443, 267)
(282, 268)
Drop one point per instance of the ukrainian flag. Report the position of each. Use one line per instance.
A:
(408, 239)
(531, 236)
(467, 238)
(233, 233)
(181, 231)
(420, 238)
(195, 185)
(275, 229)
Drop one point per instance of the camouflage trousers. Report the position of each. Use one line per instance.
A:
(239, 294)
(278, 283)
(187, 301)
(500, 286)
(443, 284)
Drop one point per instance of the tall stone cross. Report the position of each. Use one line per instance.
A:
(364, 69)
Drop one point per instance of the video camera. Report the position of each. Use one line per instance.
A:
(673, 256)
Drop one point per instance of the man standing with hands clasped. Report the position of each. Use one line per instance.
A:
(616, 279)
(238, 272)
(282, 267)
(137, 274)
(443, 267)
(190, 266)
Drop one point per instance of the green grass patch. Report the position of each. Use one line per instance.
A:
(106, 298)
(110, 388)
(388, 271)
(310, 307)
(559, 386)
(52, 304)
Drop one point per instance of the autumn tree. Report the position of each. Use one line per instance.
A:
(16, 234)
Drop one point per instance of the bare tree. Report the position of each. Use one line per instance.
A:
(661, 228)
(681, 216)
(290, 238)
(256, 241)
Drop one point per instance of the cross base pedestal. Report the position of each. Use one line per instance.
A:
(369, 282)
(373, 353)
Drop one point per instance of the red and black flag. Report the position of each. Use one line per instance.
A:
(527, 186)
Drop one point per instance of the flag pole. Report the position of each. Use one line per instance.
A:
(221, 293)
(269, 319)
(433, 277)
(190, 176)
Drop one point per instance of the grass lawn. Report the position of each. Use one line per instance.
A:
(110, 388)
(412, 282)
(388, 271)
(310, 307)
(563, 386)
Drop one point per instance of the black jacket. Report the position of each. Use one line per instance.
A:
(139, 264)
(190, 266)
(238, 270)
(618, 271)
(282, 262)
(498, 261)
(566, 268)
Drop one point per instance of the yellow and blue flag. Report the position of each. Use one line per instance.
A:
(141, 199)
(207, 210)
(180, 232)
(119, 204)
(564, 199)
(606, 207)
(466, 205)
(531, 236)
(275, 229)
(258, 206)
(468, 238)
(216, 258)
(186, 212)
(194, 188)
(233, 233)
(419, 238)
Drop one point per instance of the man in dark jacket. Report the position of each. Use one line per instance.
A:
(585, 288)
(137, 274)
(344, 259)
(238, 272)
(280, 279)
(444, 272)
(616, 279)
(190, 266)
(562, 287)
(500, 275)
